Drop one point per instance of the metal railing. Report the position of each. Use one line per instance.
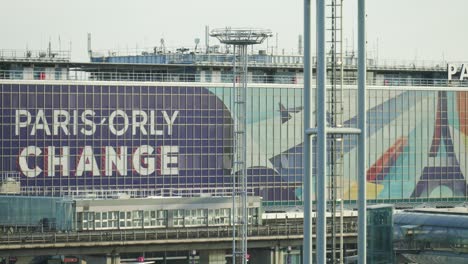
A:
(219, 55)
(293, 229)
(216, 56)
(7, 175)
(213, 78)
(35, 55)
(131, 192)
(432, 246)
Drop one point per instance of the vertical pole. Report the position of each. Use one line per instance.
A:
(342, 142)
(307, 177)
(341, 231)
(207, 39)
(234, 177)
(362, 234)
(245, 218)
(321, 135)
(90, 51)
(333, 122)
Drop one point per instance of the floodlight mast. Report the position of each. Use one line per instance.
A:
(240, 38)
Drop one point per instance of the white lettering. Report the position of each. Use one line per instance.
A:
(153, 130)
(23, 162)
(451, 70)
(61, 124)
(75, 122)
(464, 72)
(142, 162)
(111, 122)
(146, 160)
(19, 123)
(141, 123)
(88, 122)
(87, 162)
(38, 125)
(170, 121)
(168, 156)
(62, 160)
(115, 160)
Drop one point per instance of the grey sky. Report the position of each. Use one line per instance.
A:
(403, 29)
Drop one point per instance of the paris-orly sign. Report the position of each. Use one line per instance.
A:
(457, 71)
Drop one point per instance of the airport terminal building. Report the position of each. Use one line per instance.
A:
(162, 125)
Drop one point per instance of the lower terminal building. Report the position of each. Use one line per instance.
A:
(26, 213)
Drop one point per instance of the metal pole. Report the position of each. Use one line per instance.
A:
(234, 177)
(244, 154)
(333, 122)
(307, 178)
(321, 175)
(342, 141)
(240, 39)
(341, 232)
(362, 234)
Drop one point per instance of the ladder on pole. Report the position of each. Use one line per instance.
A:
(335, 110)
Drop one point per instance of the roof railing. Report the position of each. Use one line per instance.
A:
(218, 55)
(126, 192)
(291, 79)
(35, 55)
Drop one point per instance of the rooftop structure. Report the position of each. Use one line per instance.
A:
(35, 55)
(241, 36)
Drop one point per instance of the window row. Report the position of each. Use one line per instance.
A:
(159, 218)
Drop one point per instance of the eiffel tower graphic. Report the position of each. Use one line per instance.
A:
(442, 167)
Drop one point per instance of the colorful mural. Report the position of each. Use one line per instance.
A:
(179, 140)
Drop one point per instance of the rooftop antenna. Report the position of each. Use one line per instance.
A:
(90, 51)
(299, 44)
(163, 45)
(240, 39)
(377, 58)
(197, 41)
(207, 38)
(346, 47)
(49, 49)
(276, 48)
(28, 52)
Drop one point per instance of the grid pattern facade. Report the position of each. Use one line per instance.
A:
(174, 139)
(65, 137)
